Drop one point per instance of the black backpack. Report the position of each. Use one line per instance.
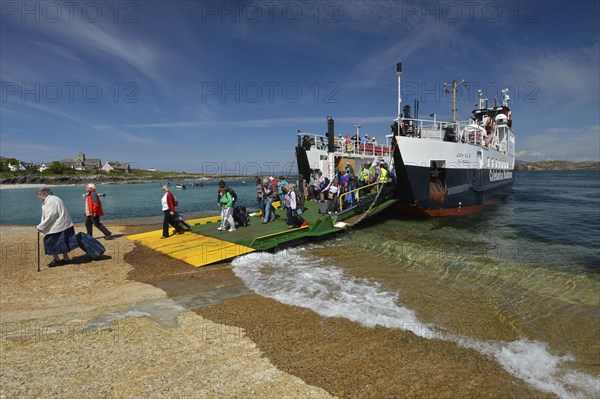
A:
(233, 194)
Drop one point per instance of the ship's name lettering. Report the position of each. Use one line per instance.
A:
(496, 175)
(461, 155)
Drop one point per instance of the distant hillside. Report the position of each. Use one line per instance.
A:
(556, 165)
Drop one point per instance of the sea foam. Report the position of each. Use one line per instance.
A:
(294, 279)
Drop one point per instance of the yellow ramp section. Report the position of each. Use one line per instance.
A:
(194, 249)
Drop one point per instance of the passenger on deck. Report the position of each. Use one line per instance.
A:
(268, 193)
(365, 139)
(333, 195)
(291, 203)
(282, 182)
(259, 195)
(226, 204)
(344, 181)
(323, 185)
(303, 190)
(312, 186)
(363, 177)
(383, 173)
(321, 144)
(273, 184)
(349, 168)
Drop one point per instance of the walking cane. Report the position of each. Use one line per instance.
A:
(38, 249)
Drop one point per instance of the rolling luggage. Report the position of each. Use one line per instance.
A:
(90, 245)
(240, 215)
(324, 206)
(181, 224)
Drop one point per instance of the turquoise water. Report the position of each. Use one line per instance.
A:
(22, 207)
(519, 282)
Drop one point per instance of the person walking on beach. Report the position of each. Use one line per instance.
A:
(93, 211)
(169, 203)
(226, 204)
(57, 227)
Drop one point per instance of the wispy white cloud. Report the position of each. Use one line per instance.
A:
(273, 122)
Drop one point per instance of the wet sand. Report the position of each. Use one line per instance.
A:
(72, 332)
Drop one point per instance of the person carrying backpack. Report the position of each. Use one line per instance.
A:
(225, 201)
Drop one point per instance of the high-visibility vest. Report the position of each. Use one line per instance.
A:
(364, 174)
(383, 173)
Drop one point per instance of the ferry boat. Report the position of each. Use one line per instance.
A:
(441, 168)
(453, 168)
(437, 169)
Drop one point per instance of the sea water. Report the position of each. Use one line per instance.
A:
(518, 282)
(21, 206)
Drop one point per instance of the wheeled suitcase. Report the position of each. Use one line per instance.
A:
(90, 245)
(240, 215)
(181, 223)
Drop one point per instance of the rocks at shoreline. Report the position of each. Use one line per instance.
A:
(57, 180)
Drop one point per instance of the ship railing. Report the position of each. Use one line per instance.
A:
(466, 131)
(357, 147)
(356, 193)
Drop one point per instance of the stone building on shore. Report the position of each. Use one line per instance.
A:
(82, 163)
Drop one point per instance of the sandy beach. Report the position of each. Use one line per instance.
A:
(138, 323)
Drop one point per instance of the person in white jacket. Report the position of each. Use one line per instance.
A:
(57, 227)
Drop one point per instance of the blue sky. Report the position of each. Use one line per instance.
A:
(223, 86)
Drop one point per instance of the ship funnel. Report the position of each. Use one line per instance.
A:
(330, 135)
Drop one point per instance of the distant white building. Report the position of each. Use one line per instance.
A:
(111, 166)
(107, 168)
(152, 169)
(43, 167)
(14, 168)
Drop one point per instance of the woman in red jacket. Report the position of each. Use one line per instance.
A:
(93, 211)
(168, 206)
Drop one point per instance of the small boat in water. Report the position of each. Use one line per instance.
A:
(198, 184)
(181, 186)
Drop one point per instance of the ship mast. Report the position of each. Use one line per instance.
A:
(398, 73)
(454, 86)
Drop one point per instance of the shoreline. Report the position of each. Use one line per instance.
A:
(216, 336)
